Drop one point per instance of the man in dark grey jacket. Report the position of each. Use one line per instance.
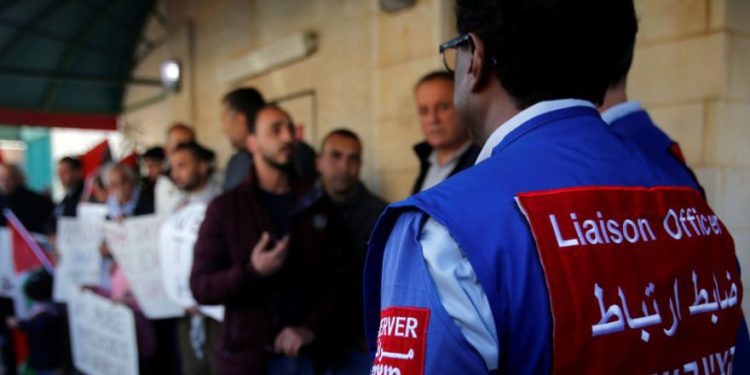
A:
(238, 108)
(339, 164)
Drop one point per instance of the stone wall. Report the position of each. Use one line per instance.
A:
(692, 72)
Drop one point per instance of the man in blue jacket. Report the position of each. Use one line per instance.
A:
(630, 120)
(565, 249)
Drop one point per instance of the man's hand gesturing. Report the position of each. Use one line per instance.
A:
(267, 261)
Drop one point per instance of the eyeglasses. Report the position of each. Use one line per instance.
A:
(449, 49)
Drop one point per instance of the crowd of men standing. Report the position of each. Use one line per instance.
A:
(282, 246)
(314, 276)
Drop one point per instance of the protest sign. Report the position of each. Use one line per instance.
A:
(102, 335)
(91, 211)
(7, 274)
(177, 238)
(134, 243)
(80, 262)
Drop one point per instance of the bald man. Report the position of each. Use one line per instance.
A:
(32, 209)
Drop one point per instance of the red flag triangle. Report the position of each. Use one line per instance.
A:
(27, 254)
(130, 159)
(95, 158)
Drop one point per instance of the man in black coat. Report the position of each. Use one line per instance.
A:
(447, 148)
(33, 210)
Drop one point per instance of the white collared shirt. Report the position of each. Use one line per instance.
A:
(457, 284)
(205, 196)
(438, 173)
(621, 110)
(523, 117)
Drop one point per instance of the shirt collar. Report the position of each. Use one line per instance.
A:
(204, 195)
(621, 110)
(127, 209)
(433, 155)
(523, 117)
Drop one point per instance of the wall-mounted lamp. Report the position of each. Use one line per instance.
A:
(171, 75)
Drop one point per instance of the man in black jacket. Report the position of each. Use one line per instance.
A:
(447, 148)
(339, 165)
(70, 172)
(32, 209)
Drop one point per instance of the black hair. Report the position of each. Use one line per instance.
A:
(625, 61)
(438, 75)
(38, 286)
(156, 153)
(346, 133)
(72, 162)
(247, 101)
(551, 49)
(200, 153)
(272, 105)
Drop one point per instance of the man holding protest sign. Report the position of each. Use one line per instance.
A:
(269, 251)
(156, 337)
(191, 169)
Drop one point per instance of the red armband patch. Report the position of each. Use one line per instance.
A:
(402, 341)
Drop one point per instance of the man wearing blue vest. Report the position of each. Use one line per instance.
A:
(630, 120)
(564, 249)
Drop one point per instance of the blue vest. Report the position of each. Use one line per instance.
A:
(639, 128)
(565, 148)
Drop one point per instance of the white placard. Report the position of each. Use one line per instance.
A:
(7, 273)
(134, 243)
(102, 335)
(177, 238)
(91, 211)
(79, 262)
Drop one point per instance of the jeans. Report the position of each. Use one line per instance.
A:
(290, 366)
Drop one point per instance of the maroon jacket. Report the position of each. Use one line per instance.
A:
(310, 289)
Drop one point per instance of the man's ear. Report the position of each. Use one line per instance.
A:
(477, 70)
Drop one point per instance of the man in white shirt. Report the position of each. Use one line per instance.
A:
(166, 193)
(191, 167)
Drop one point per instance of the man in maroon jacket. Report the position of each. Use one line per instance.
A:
(269, 250)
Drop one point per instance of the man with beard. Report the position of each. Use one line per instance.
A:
(269, 251)
(238, 110)
(339, 164)
(191, 169)
(166, 194)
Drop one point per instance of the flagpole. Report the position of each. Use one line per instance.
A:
(38, 252)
